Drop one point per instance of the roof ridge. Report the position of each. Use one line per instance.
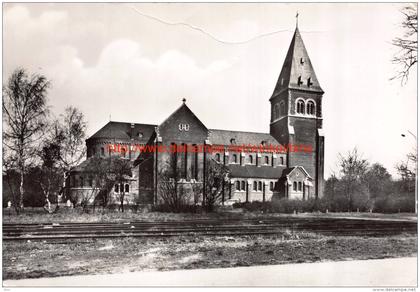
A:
(132, 123)
(239, 131)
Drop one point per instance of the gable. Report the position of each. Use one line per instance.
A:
(298, 172)
(183, 126)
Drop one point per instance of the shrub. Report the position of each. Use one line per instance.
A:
(284, 206)
(405, 202)
(182, 209)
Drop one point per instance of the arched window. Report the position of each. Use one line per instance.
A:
(281, 160)
(243, 185)
(282, 108)
(238, 185)
(123, 151)
(266, 160)
(260, 186)
(276, 111)
(117, 188)
(300, 186)
(90, 181)
(250, 159)
(234, 158)
(255, 185)
(300, 106)
(127, 188)
(218, 157)
(81, 182)
(102, 151)
(295, 186)
(271, 186)
(310, 108)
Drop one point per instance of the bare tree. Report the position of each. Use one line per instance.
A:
(407, 172)
(406, 57)
(216, 184)
(62, 150)
(352, 169)
(103, 180)
(73, 126)
(172, 195)
(99, 178)
(24, 119)
(69, 132)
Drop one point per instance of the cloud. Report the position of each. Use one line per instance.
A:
(26, 27)
(123, 81)
(126, 83)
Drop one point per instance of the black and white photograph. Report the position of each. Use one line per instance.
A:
(210, 144)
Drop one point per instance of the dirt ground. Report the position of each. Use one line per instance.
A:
(49, 259)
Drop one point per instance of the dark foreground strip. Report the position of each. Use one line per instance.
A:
(223, 227)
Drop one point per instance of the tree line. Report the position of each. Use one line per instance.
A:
(39, 149)
(358, 186)
(362, 186)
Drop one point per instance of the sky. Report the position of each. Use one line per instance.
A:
(111, 61)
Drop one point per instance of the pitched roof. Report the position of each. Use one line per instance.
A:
(297, 64)
(182, 110)
(122, 131)
(92, 164)
(290, 169)
(253, 171)
(224, 137)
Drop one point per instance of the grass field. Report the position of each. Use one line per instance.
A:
(90, 256)
(38, 215)
(29, 259)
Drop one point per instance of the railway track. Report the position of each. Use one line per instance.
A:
(210, 227)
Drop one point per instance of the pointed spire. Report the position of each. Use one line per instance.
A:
(297, 19)
(297, 71)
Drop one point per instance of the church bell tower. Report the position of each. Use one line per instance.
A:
(296, 112)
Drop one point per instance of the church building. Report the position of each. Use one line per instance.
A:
(254, 174)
